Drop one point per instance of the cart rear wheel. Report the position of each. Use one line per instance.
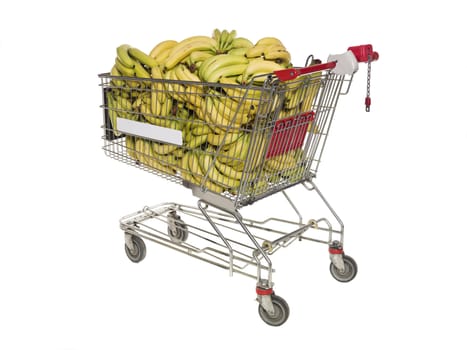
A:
(281, 312)
(139, 249)
(178, 232)
(350, 270)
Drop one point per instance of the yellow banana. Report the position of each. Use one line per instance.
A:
(227, 71)
(140, 56)
(201, 130)
(208, 165)
(278, 54)
(124, 70)
(228, 171)
(115, 74)
(122, 54)
(158, 89)
(241, 42)
(130, 146)
(197, 141)
(140, 71)
(200, 56)
(185, 47)
(223, 139)
(163, 148)
(259, 67)
(111, 110)
(161, 48)
(256, 51)
(233, 111)
(210, 65)
(269, 40)
(240, 51)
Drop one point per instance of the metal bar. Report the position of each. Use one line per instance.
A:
(331, 210)
(202, 206)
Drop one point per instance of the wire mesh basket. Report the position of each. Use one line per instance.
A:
(234, 143)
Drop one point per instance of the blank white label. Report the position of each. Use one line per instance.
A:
(149, 131)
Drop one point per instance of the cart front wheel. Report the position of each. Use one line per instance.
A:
(138, 252)
(350, 270)
(281, 312)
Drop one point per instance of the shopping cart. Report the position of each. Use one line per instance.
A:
(232, 145)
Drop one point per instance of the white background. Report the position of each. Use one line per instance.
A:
(396, 176)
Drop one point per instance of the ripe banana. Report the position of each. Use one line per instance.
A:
(269, 40)
(225, 138)
(122, 54)
(124, 70)
(234, 117)
(241, 42)
(209, 168)
(115, 73)
(186, 47)
(259, 67)
(240, 51)
(228, 171)
(140, 56)
(278, 54)
(219, 61)
(199, 56)
(140, 72)
(162, 48)
(163, 148)
(213, 76)
(130, 146)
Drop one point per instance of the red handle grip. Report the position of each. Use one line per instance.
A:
(292, 73)
(362, 52)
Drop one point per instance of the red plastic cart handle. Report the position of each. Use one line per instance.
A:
(361, 52)
(292, 73)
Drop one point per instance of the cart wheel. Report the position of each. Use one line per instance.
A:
(350, 270)
(281, 312)
(139, 251)
(178, 233)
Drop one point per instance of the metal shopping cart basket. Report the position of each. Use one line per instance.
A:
(232, 145)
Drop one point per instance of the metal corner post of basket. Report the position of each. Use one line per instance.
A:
(232, 145)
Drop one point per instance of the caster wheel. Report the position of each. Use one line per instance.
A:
(177, 229)
(350, 270)
(139, 251)
(281, 312)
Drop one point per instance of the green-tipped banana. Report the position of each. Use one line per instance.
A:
(139, 55)
(124, 70)
(140, 71)
(124, 57)
(219, 61)
(226, 71)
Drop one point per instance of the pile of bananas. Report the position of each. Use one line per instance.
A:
(210, 88)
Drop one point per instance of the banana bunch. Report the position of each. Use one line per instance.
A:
(224, 40)
(211, 88)
(270, 49)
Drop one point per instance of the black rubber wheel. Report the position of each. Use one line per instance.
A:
(349, 272)
(180, 234)
(139, 252)
(281, 312)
